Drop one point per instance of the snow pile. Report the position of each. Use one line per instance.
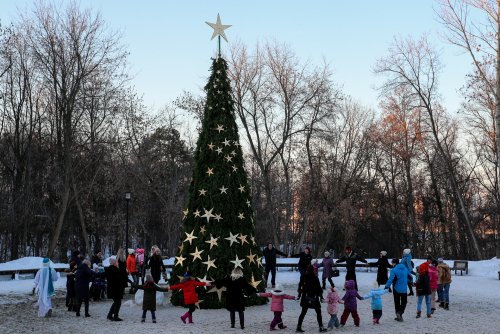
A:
(139, 297)
(29, 263)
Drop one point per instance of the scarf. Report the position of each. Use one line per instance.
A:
(236, 276)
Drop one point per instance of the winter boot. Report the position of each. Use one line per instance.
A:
(117, 319)
(78, 307)
(49, 313)
(299, 329)
(190, 317)
(87, 315)
(429, 315)
(184, 317)
(322, 329)
(375, 321)
(441, 304)
(143, 320)
(70, 307)
(447, 306)
(432, 310)
(419, 314)
(154, 321)
(272, 328)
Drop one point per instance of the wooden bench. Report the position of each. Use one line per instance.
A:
(462, 266)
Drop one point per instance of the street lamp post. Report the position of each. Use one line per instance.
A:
(127, 197)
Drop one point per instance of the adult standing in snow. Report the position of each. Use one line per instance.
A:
(132, 269)
(96, 258)
(382, 265)
(305, 259)
(406, 261)
(327, 265)
(270, 253)
(400, 277)
(156, 266)
(44, 280)
(444, 281)
(116, 283)
(309, 287)
(82, 280)
(350, 258)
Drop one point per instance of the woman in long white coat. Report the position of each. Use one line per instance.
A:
(44, 280)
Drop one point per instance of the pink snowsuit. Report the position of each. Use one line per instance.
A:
(277, 306)
(333, 299)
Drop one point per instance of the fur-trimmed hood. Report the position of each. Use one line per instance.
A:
(186, 279)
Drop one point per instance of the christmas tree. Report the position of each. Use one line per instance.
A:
(219, 232)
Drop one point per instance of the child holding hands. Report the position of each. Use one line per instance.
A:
(278, 296)
(332, 299)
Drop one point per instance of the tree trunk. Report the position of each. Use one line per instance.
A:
(88, 250)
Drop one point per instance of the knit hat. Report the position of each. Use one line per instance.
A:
(131, 251)
(327, 253)
(384, 253)
(424, 268)
(375, 285)
(313, 261)
(187, 274)
(76, 253)
(46, 262)
(429, 257)
(149, 278)
(279, 287)
(87, 262)
(112, 261)
(348, 248)
(406, 251)
(440, 260)
(97, 251)
(395, 261)
(95, 266)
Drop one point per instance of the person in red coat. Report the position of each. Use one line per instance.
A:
(132, 268)
(188, 285)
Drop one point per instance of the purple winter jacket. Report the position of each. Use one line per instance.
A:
(350, 296)
(327, 265)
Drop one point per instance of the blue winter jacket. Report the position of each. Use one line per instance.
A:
(376, 298)
(406, 260)
(402, 276)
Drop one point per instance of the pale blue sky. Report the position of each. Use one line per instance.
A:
(171, 48)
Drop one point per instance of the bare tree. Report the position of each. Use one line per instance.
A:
(480, 39)
(415, 66)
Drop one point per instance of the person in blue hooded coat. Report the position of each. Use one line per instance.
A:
(82, 280)
(406, 260)
(399, 278)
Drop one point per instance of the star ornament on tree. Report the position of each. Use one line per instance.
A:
(232, 238)
(204, 280)
(208, 215)
(180, 259)
(210, 263)
(219, 291)
(190, 237)
(197, 254)
(237, 262)
(254, 283)
(218, 28)
(213, 241)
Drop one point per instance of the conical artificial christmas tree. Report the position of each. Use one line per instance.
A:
(219, 232)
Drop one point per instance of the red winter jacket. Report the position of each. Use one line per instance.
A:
(433, 273)
(188, 286)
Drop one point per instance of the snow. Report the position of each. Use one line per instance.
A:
(474, 306)
(29, 263)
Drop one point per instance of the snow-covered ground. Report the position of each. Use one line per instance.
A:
(474, 306)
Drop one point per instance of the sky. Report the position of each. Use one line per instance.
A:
(170, 44)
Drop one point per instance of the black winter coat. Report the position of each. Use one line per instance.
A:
(149, 301)
(304, 259)
(70, 284)
(95, 260)
(270, 256)
(157, 267)
(382, 265)
(83, 275)
(350, 260)
(117, 281)
(235, 300)
(76, 259)
(309, 286)
(423, 285)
